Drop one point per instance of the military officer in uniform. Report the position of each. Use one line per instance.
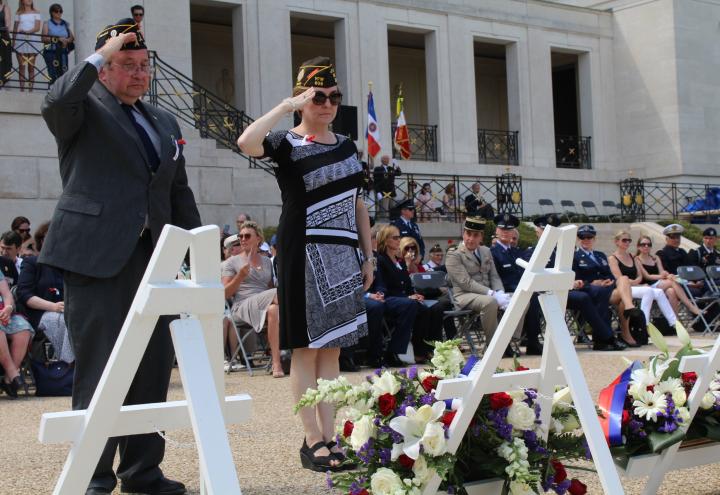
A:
(475, 204)
(592, 269)
(475, 281)
(706, 255)
(384, 183)
(407, 226)
(672, 255)
(504, 256)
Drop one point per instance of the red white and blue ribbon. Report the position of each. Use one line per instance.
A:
(612, 401)
(469, 365)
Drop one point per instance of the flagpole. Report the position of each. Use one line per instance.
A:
(371, 159)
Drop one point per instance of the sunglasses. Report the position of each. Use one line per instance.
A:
(645, 244)
(585, 237)
(320, 98)
(24, 231)
(625, 240)
(674, 236)
(138, 14)
(57, 11)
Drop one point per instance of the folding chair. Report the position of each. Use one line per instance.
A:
(436, 280)
(467, 320)
(590, 210)
(614, 210)
(706, 301)
(713, 276)
(569, 214)
(240, 349)
(546, 202)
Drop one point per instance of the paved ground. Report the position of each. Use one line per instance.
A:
(266, 449)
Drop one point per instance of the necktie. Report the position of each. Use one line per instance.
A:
(592, 257)
(146, 141)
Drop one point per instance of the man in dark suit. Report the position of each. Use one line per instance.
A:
(384, 183)
(10, 243)
(123, 176)
(407, 226)
(475, 205)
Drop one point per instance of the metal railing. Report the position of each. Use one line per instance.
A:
(656, 200)
(573, 151)
(497, 147)
(446, 199)
(197, 106)
(39, 54)
(423, 142)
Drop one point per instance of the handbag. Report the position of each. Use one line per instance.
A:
(52, 378)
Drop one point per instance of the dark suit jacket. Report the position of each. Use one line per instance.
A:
(384, 179)
(510, 272)
(108, 186)
(587, 269)
(9, 271)
(42, 281)
(395, 281)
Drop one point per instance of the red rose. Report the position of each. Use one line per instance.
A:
(430, 382)
(577, 487)
(405, 461)
(500, 400)
(560, 473)
(361, 492)
(520, 367)
(348, 428)
(181, 142)
(690, 377)
(386, 403)
(626, 417)
(448, 418)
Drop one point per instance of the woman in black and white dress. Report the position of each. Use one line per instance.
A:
(324, 252)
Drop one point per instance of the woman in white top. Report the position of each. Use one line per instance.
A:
(27, 23)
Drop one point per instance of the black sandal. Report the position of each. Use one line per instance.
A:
(310, 461)
(340, 456)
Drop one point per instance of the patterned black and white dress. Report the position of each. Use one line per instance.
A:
(319, 281)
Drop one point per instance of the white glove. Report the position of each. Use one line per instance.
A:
(501, 298)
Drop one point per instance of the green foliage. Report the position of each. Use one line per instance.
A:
(692, 231)
(268, 232)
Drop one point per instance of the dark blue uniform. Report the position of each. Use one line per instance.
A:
(510, 273)
(588, 269)
(410, 229)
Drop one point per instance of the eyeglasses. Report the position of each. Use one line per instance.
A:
(138, 14)
(132, 68)
(320, 98)
(645, 244)
(674, 236)
(244, 236)
(625, 240)
(24, 231)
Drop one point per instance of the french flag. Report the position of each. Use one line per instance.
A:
(373, 133)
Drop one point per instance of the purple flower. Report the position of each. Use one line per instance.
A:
(328, 480)
(384, 456)
(427, 399)
(412, 372)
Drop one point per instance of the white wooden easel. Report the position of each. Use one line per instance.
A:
(197, 339)
(559, 363)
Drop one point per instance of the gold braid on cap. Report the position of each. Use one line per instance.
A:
(320, 76)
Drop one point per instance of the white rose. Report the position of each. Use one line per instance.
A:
(684, 414)
(679, 397)
(708, 400)
(520, 416)
(385, 384)
(570, 424)
(517, 395)
(362, 431)
(421, 471)
(433, 439)
(385, 482)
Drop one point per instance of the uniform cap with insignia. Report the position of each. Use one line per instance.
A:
(407, 205)
(585, 231)
(552, 219)
(506, 221)
(475, 224)
(317, 72)
(229, 240)
(673, 229)
(120, 27)
(710, 232)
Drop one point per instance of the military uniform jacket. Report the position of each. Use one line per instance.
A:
(470, 276)
(410, 230)
(509, 271)
(672, 258)
(384, 179)
(587, 269)
(704, 257)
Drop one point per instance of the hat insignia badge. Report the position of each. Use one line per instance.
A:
(113, 33)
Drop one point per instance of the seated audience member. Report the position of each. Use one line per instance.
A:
(624, 264)
(247, 278)
(593, 269)
(407, 227)
(21, 225)
(578, 300)
(10, 244)
(231, 247)
(706, 254)
(475, 282)
(672, 255)
(514, 238)
(41, 289)
(504, 256)
(435, 264)
(392, 270)
(448, 200)
(15, 336)
(656, 276)
(425, 203)
(475, 205)
(241, 219)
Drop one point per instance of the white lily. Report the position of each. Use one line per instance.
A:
(412, 428)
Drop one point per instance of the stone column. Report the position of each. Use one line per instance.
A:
(341, 55)
(539, 88)
(239, 57)
(462, 100)
(167, 28)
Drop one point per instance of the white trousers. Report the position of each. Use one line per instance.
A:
(647, 295)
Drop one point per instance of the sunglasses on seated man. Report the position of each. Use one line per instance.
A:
(583, 237)
(320, 98)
